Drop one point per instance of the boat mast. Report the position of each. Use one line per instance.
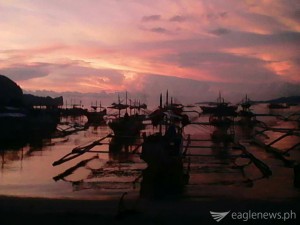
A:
(119, 102)
(126, 101)
(167, 98)
(160, 106)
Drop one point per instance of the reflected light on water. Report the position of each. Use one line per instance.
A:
(29, 172)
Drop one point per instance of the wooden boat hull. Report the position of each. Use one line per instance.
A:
(95, 117)
(165, 173)
(219, 110)
(126, 127)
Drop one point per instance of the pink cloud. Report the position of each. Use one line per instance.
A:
(64, 45)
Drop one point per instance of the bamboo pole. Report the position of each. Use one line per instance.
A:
(73, 168)
(79, 151)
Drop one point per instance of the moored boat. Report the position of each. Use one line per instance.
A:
(220, 108)
(95, 116)
(165, 174)
(125, 128)
(278, 106)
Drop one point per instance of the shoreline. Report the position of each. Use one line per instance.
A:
(18, 210)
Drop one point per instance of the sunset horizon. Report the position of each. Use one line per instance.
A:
(192, 48)
(149, 112)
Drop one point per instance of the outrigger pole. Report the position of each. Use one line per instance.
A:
(79, 151)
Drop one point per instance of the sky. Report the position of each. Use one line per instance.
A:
(193, 48)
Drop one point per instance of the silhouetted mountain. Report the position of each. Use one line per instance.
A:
(10, 93)
(31, 100)
(289, 100)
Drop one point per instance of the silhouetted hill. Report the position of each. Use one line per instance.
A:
(289, 100)
(10, 93)
(31, 100)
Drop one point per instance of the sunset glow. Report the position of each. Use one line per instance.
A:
(94, 46)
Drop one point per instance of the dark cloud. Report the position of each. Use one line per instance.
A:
(216, 15)
(160, 30)
(234, 39)
(247, 39)
(223, 14)
(151, 18)
(99, 76)
(220, 31)
(67, 72)
(225, 66)
(296, 14)
(177, 18)
(288, 89)
(193, 59)
(26, 72)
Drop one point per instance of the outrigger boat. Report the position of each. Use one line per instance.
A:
(94, 116)
(246, 103)
(165, 172)
(73, 109)
(220, 107)
(278, 106)
(173, 109)
(248, 118)
(125, 128)
(127, 125)
(163, 153)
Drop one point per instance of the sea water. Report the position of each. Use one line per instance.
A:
(28, 171)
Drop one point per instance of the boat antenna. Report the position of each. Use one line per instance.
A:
(126, 100)
(167, 98)
(130, 107)
(160, 106)
(119, 105)
(160, 101)
(139, 107)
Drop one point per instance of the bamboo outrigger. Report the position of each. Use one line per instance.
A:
(167, 152)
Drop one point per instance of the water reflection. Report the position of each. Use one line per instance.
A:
(214, 171)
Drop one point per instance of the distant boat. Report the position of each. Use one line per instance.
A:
(171, 110)
(95, 116)
(278, 106)
(246, 103)
(75, 110)
(220, 107)
(125, 128)
(138, 106)
(246, 111)
(127, 125)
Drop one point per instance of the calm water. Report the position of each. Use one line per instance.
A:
(29, 171)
